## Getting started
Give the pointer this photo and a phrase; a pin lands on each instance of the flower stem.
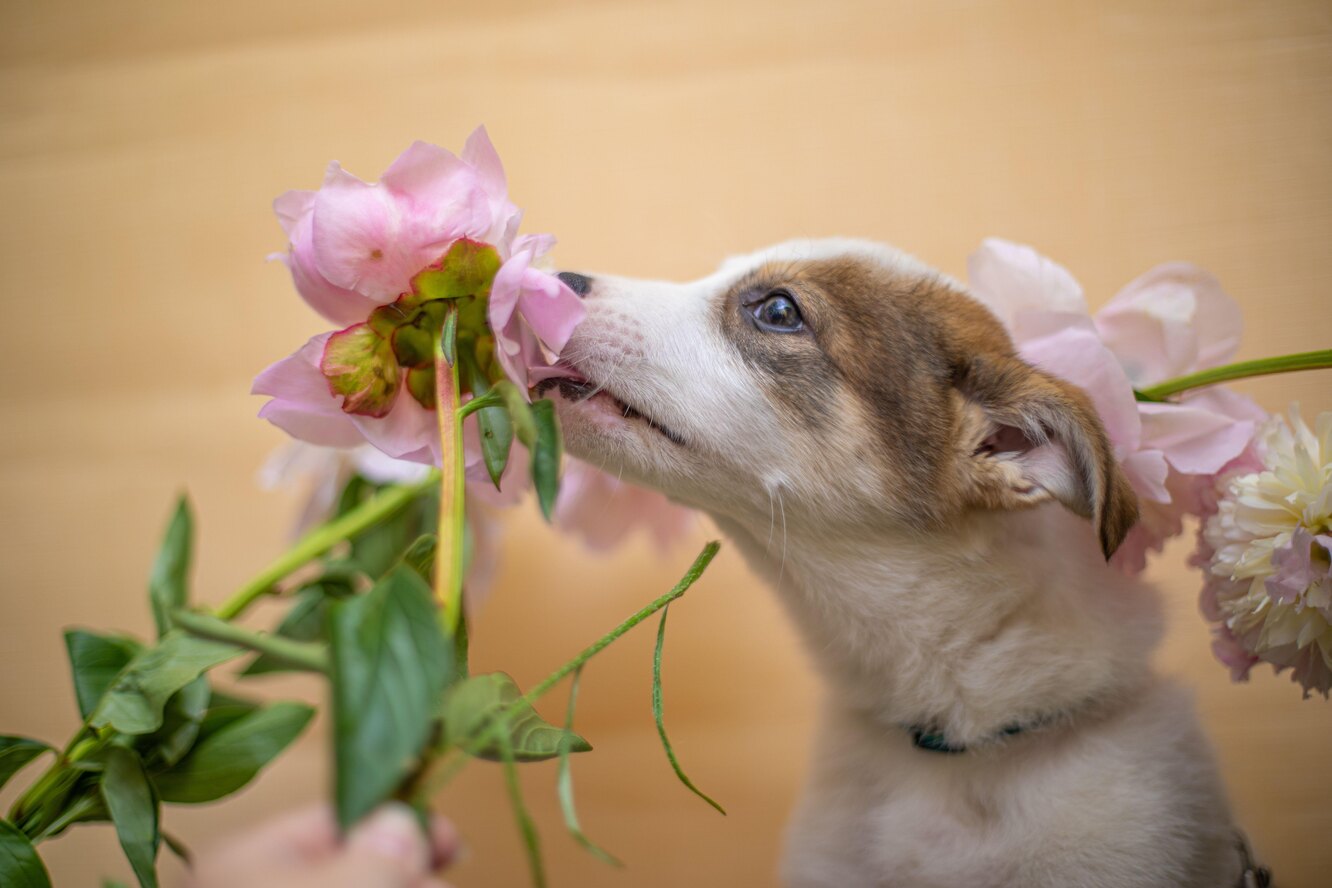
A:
(449, 553)
(695, 571)
(1313, 360)
(321, 539)
(301, 654)
(438, 771)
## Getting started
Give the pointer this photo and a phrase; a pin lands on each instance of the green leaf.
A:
(546, 456)
(304, 621)
(168, 582)
(377, 549)
(420, 556)
(222, 711)
(657, 713)
(134, 701)
(472, 711)
(178, 848)
(95, 661)
(526, 826)
(492, 423)
(390, 662)
(15, 752)
(229, 757)
(564, 781)
(181, 719)
(129, 798)
(20, 867)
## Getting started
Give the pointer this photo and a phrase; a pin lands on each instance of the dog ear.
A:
(1027, 437)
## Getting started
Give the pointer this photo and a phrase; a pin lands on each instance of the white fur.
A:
(1007, 617)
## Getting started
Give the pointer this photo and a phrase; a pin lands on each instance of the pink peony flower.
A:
(1173, 320)
(604, 511)
(381, 260)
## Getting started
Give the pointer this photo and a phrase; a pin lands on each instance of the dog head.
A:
(841, 381)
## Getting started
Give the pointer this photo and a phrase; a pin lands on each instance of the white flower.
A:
(1268, 553)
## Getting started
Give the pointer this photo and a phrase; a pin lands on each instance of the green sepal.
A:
(414, 343)
(168, 582)
(421, 385)
(467, 269)
(360, 365)
(474, 707)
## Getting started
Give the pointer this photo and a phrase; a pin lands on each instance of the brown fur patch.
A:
(903, 346)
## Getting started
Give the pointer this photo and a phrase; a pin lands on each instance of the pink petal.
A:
(408, 431)
(1173, 320)
(1013, 278)
(603, 510)
(1147, 472)
(537, 245)
(359, 238)
(504, 292)
(550, 308)
(1196, 442)
(302, 405)
(480, 153)
(295, 211)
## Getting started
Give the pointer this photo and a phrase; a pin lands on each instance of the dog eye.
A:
(778, 313)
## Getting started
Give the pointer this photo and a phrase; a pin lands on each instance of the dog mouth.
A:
(577, 388)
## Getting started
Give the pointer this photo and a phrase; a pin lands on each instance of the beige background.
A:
(141, 144)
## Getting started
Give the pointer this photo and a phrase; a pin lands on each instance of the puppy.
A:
(936, 516)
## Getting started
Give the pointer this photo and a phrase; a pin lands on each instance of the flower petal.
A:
(1195, 441)
(362, 241)
(1173, 320)
(302, 405)
(603, 510)
(295, 212)
(550, 308)
(408, 431)
(1013, 278)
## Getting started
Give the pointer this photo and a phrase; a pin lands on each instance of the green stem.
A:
(1314, 360)
(301, 654)
(491, 398)
(449, 554)
(695, 571)
(321, 539)
(448, 765)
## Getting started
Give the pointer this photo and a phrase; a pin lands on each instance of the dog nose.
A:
(579, 283)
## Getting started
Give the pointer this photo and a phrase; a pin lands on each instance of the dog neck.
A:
(1006, 618)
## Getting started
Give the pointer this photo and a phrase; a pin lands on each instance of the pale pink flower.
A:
(433, 222)
(604, 511)
(1173, 320)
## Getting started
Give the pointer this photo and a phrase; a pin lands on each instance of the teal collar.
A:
(935, 741)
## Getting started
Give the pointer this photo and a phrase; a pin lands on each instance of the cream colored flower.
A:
(1268, 552)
